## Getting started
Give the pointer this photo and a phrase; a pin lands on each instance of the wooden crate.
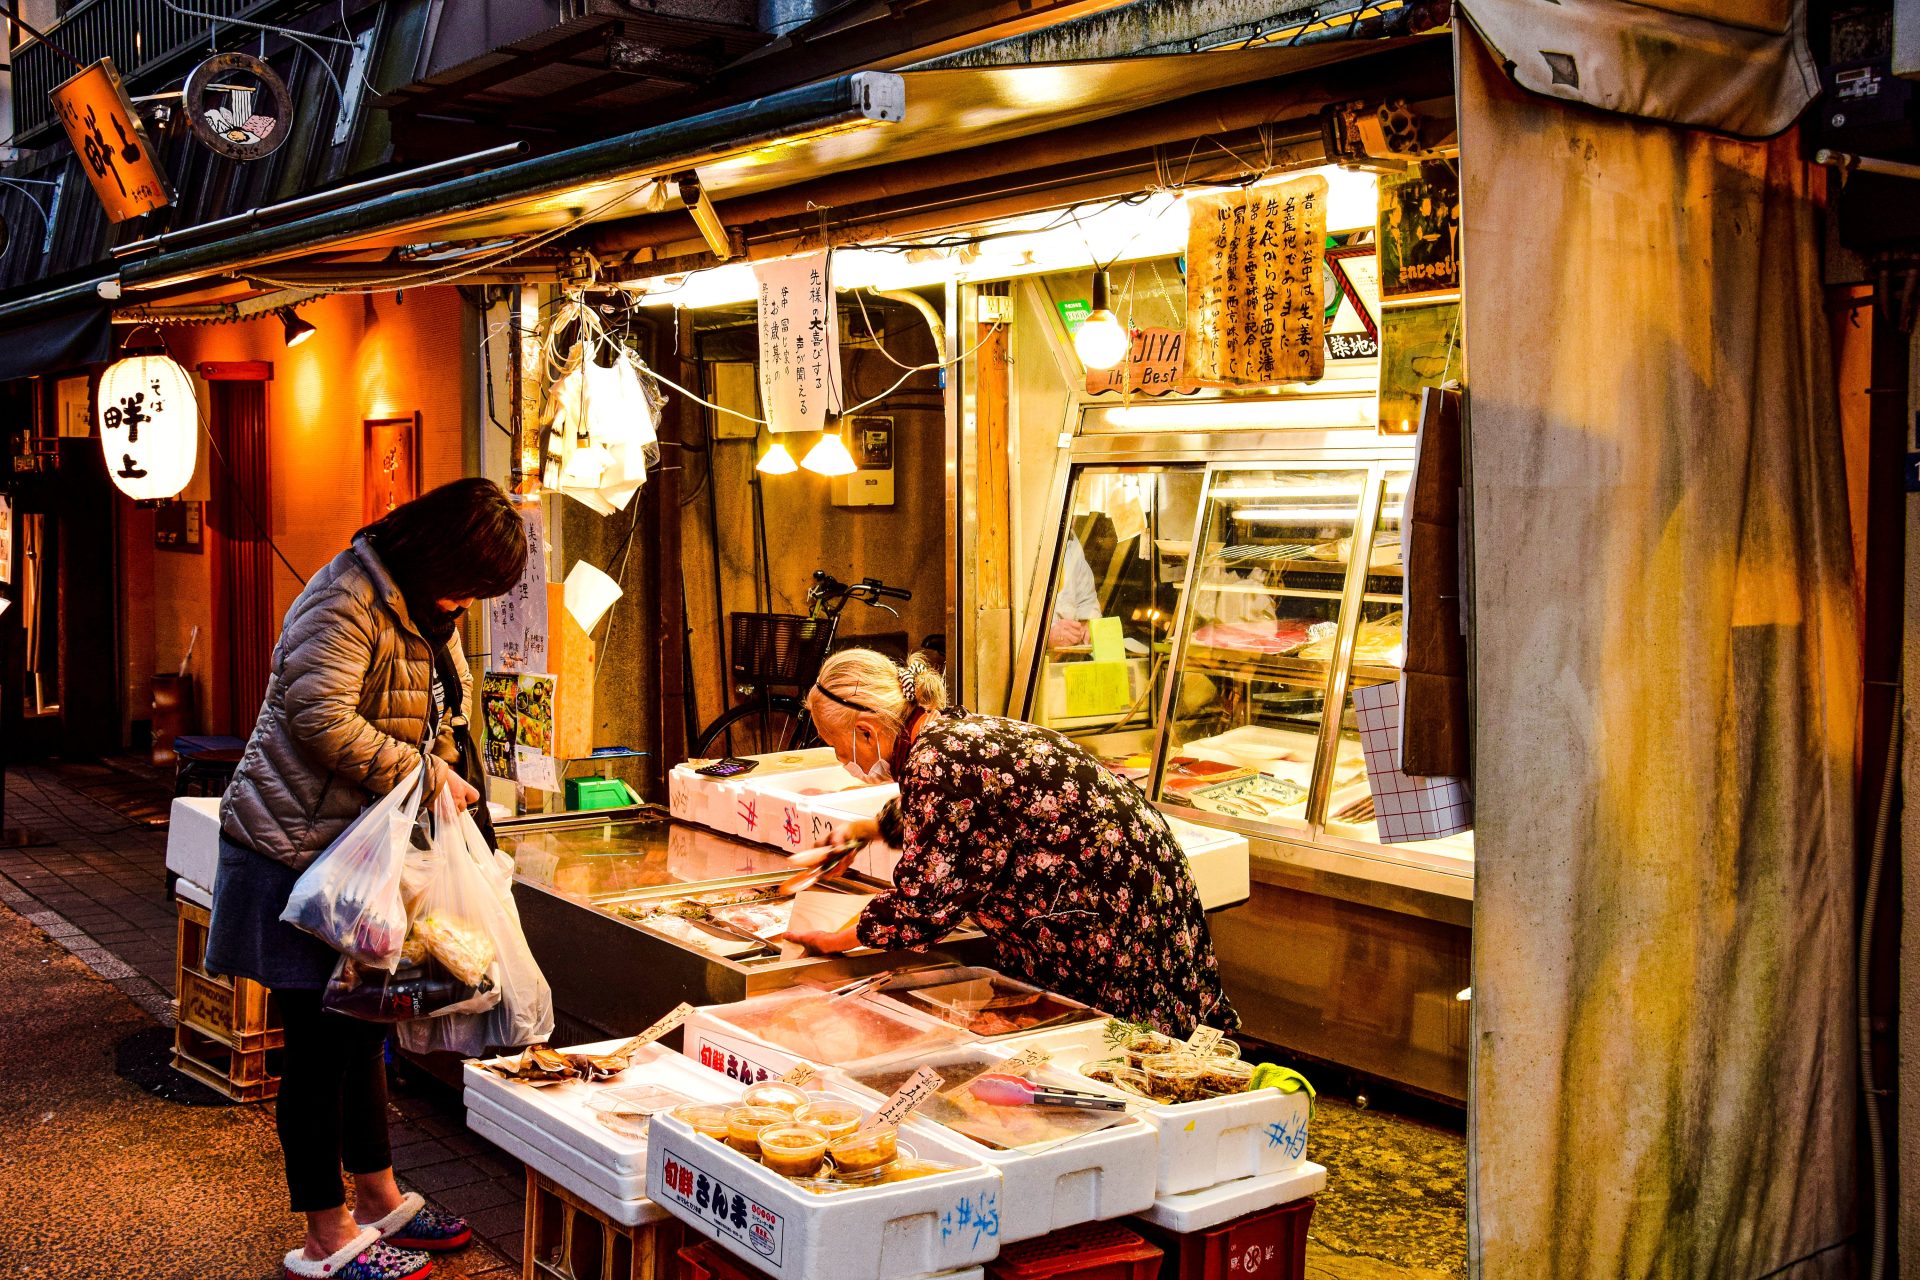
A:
(568, 1239)
(223, 1027)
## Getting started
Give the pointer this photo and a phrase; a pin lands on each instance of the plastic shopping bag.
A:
(350, 897)
(475, 883)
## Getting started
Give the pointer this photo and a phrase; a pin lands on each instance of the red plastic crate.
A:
(708, 1261)
(1267, 1244)
(1092, 1251)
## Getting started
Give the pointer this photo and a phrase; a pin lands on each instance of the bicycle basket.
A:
(778, 648)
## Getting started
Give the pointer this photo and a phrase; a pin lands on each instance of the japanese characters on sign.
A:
(519, 618)
(1420, 233)
(799, 343)
(112, 144)
(727, 1210)
(1256, 286)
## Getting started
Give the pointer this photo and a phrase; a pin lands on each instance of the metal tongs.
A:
(827, 860)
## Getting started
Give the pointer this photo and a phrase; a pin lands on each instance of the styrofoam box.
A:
(575, 1171)
(187, 891)
(716, 1045)
(1219, 861)
(1211, 1206)
(784, 801)
(895, 1231)
(628, 1213)
(823, 814)
(1102, 1175)
(564, 1110)
(1202, 1144)
(193, 839)
(692, 797)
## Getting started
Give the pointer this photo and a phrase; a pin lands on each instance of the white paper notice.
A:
(799, 343)
(519, 618)
(532, 769)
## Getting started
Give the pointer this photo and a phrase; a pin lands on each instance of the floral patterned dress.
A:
(1072, 874)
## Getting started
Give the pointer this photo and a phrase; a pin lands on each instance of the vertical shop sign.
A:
(518, 619)
(6, 539)
(107, 135)
(1255, 285)
(799, 343)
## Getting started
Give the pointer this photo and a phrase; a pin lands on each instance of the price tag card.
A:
(1203, 1040)
(673, 1018)
(801, 1076)
(920, 1086)
(1027, 1061)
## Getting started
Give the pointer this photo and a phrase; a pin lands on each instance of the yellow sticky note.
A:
(1108, 645)
(1096, 688)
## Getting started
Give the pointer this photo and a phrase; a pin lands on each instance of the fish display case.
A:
(629, 912)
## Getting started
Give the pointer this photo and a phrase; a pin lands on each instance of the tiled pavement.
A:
(96, 885)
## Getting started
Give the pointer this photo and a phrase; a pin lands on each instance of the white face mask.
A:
(880, 771)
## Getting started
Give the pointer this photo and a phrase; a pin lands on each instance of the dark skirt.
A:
(246, 937)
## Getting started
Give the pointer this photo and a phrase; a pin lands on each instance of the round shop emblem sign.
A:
(761, 1238)
(238, 106)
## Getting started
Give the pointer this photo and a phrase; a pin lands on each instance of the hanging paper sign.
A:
(519, 618)
(1152, 365)
(799, 343)
(1255, 285)
(238, 106)
(112, 144)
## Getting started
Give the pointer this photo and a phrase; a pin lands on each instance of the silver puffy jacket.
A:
(345, 714)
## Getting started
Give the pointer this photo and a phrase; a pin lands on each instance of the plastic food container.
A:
(709, 1118)
(793, 1150)
(627, 1110)
(864, 1150)
(745, 1123)
(831, 1115)
(1145, 1044)
(1226, 1076)
(1174, 1077)
(777, 1094)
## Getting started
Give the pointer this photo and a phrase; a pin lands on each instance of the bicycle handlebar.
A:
(826, 587)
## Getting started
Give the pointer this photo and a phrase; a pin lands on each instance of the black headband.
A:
(848, 703)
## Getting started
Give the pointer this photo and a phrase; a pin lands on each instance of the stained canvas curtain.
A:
(1666, 681)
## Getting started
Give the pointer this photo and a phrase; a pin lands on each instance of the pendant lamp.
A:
(776, 461)
(1101, 340)
(149, 425)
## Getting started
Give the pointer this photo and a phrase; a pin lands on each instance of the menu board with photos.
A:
(1255, 285)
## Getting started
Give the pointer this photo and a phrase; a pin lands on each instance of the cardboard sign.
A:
(801, 1076)
(1203, 1039)
(111, 142)
(671, 1019)
(920, 1086)
(799, 343)
(1027, 1061)
(1256, 286)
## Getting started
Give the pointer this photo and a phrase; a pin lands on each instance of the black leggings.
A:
(333, 1100)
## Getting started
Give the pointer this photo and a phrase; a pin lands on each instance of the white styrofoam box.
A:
(577, 1171)
(187, 891)
(894, 1231)
(1241, 1135)
(1102, 1175)
(772, 809)
(628, 1213)
(1211, 1206)
(823, 814)
(565, 1110)
(692, 797)
(717, 1045)
(193, 838)
(1219, 861)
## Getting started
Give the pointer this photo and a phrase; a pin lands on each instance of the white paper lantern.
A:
(149, 426)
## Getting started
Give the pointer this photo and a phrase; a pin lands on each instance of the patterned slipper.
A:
(414, 1226)
(362, 1258)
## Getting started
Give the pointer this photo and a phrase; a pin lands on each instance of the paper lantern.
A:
(149, 426)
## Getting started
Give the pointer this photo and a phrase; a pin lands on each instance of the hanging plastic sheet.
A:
(1666, 682)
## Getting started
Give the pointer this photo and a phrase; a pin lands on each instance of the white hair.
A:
(870, 682)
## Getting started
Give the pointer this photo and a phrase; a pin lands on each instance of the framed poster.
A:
(392, 474)
(1419, 348)
(1420, 232)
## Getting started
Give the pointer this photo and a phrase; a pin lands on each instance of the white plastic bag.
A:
(478, 883)
(349, 898)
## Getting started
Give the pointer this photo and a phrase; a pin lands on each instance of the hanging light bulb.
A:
(294, 329)
(776, 461)
(1101, 340)
(830, 456)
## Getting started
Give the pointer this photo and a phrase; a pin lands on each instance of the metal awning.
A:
(856, 124)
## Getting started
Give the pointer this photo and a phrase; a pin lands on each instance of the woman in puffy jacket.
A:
(368, 672)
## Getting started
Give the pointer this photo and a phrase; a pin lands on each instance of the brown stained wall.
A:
(371, 357)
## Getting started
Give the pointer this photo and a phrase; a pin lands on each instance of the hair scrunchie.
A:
(910, 677)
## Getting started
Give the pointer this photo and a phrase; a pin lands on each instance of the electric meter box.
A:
(869, 438)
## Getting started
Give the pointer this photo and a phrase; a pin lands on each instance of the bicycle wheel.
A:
(757, 728)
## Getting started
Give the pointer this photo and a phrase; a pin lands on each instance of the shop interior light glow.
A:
(149, 425)
(1306, 411)
(1101, 339)
(830, 456)
(776, 461)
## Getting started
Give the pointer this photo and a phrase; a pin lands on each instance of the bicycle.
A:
(775, 658)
